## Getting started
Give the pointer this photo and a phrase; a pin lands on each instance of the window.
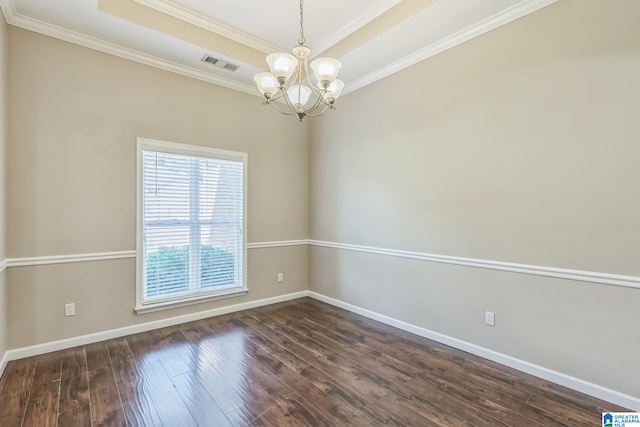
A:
(191, 224)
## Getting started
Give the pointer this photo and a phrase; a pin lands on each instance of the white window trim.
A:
(191, 150)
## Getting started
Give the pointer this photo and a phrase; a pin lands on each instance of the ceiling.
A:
(372, 38)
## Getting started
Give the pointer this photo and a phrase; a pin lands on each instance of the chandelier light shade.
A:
(289, 82)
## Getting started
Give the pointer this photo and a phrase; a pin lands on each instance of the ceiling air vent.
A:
(220, 63)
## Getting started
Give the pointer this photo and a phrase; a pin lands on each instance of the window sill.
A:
(166, 305)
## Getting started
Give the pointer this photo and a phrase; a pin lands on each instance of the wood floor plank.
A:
(78, 416)
(490, 378)
(355, 381)
(157, 391)
(405, 363)
(240, 396)
(377, 362)
(42, 409)
(170, 352)
(140, 347)
(74, 382)
(275, 416)
(566, 410)
(137, 401)
(312, 373)
(484, 393)
(119, 351)
(261, 378)
(297, 363)
(203, 408)
(285, 397)
(430, 355)
(331, 408)
(348, 373)
(106, 408)
(18, 379)
(48, 369)
(97, 356)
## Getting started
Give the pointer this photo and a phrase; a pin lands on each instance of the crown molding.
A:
(177, 11)
(519, 10)
(15, 19)
(182, 13)
(8, 9)
(367, 16)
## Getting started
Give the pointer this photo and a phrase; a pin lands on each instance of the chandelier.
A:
(289, 81)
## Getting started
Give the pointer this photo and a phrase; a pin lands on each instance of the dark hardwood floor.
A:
(296, 363)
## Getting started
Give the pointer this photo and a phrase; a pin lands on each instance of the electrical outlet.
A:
(280, 277)
(489, 318)
(70, 309)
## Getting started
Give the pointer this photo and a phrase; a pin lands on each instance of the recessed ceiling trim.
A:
(8, 9)
(377, 9)
(14, 18)
(180, 12)
(57, 32)
(504, 17)
(377, 26)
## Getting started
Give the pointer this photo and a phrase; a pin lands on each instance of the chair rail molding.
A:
(561, 273)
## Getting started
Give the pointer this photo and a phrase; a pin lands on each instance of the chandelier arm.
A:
(309, 113)
(326, 107)
(295, 81)
(318, 92)
(316, 104)
(319, 100)
(279, 110)
(287, 100)
(313, 87)
(302, 71)
(279, 95)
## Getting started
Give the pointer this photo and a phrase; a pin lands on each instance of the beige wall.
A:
(3, 98)
(104, 293)
(518, 146)
(74, 117)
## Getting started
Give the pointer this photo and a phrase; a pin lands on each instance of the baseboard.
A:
(3, 362)
(48, 347)
(573, 383)
(577, 384)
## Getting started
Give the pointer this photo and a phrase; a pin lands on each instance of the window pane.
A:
(192, 221)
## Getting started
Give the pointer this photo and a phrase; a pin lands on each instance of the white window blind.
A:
(191, 222)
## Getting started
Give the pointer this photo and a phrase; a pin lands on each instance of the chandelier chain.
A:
(301, 40)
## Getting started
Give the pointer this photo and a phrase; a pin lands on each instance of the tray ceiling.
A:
(372, 38)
